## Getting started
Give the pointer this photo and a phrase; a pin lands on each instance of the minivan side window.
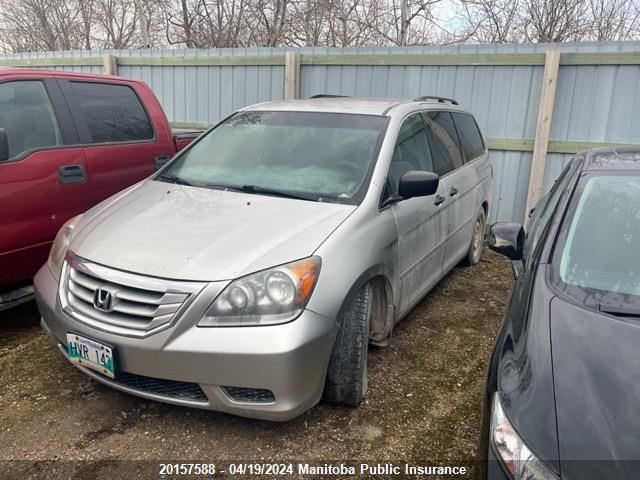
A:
(412, 149)
(469, 134)
(113, 113)
(27, 116)
(443, 139)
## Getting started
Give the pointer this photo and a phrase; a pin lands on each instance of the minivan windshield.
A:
(597, 260)
(301, 154)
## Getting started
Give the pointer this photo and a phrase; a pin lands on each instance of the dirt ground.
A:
(423, 403)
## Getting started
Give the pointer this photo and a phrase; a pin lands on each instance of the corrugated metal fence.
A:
(597, 95)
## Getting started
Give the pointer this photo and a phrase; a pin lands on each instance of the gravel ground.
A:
(423, 403)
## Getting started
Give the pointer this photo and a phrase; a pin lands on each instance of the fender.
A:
(383, 314)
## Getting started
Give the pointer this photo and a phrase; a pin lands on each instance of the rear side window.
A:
(113, 112)
(444, 142)
(27, 116)
(470, 138)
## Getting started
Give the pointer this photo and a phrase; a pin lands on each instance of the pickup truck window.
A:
(113, 113)
(27, 116)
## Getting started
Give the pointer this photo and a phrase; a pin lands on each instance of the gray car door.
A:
(421, 227)
(461, 210)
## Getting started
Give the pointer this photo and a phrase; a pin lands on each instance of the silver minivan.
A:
(250, 274)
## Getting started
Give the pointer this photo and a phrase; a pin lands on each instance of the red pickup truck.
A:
(67, 142)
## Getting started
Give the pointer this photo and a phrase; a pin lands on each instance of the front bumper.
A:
(290, 360)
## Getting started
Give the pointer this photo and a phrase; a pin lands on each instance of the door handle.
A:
(71, 174)
(161, 160)
(453, 192)
(439, 200)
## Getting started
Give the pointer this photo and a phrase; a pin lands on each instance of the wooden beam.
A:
(510, 144)
(555, 146)
(226, 60)
(109, 65)
(543, 128)
(374, 59)
(292, 75)
(600, 58)
(51, 62)
(426, 59)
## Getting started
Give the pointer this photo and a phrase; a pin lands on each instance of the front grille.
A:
(137, 306)
(164, 388)
(253, 395)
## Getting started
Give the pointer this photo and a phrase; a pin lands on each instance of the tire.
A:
(346, 380)
(477, 240)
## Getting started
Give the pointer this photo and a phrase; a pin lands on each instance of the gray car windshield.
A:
(597, 260)
(315, 155)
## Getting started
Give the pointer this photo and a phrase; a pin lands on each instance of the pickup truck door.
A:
(421, 226)
(125, 133)
(44, 181)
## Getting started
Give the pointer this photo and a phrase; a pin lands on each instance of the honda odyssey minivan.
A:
(250, 274)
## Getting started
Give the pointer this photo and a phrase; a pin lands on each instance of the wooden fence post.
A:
(109, 64)
(543, 129)
(291, 75)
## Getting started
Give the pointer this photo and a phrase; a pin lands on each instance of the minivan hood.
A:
(199, 234)
(596, 364)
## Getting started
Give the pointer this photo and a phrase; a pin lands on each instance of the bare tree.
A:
(207, 23)
(491, 21)
(32, 25)
(42, 25)
(118, 20)
(269, 19)
(613, 20)
(553, 20)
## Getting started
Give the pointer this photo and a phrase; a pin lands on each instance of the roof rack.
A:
(439, 99)
(328, 95)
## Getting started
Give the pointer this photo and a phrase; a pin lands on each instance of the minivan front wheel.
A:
(477, 240)
(346, 381)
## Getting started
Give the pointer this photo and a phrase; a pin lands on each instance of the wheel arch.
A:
(383, 310)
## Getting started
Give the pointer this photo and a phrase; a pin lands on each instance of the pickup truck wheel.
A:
(346, 381)
(477, 240)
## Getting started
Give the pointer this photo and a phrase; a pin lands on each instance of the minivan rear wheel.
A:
(477, 240)
(346, 381)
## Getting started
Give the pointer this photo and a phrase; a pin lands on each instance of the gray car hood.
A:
(192, 233)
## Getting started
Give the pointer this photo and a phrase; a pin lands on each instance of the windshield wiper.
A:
(277, 193)
(262, 191)
(620, 311)
(174, 179)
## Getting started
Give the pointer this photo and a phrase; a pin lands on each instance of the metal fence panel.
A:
(595, 103)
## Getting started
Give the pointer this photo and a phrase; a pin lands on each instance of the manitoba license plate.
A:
(91, 354)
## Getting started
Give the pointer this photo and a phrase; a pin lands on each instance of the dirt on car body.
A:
(423, 403)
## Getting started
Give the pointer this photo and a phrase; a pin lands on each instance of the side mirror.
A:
(507, 239)
(418, 183)
(4, 145)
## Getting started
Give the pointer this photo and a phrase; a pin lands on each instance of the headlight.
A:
(277, 295)
(516, 457)
(60, 246)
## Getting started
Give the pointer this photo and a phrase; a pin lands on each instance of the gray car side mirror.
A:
(417, 183)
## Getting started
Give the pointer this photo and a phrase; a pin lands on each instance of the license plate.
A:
(91, 354)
